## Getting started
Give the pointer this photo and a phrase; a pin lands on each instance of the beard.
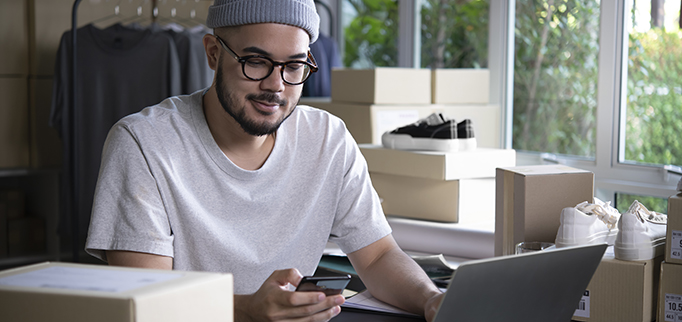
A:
(250, 126)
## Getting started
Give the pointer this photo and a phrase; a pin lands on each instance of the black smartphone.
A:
(329, 285)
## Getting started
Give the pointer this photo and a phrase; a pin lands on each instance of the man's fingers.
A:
(324, 304)
(286, 276)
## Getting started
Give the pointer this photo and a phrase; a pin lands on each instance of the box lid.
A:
(478, 163)
(108, 293)
(543, 169)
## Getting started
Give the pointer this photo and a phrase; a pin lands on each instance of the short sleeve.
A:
(359, 220)
(128, 212)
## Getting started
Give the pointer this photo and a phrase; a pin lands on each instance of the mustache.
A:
(269, 98)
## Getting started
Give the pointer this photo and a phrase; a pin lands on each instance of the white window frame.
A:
(611, 175)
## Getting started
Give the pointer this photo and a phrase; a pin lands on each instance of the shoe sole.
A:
(406, 142)
(640, 252)
(608, 237)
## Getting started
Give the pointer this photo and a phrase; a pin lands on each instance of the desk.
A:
(350, 315)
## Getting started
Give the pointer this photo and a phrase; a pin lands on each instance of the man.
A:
(239, 179)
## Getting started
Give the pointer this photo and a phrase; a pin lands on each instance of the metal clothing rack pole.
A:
(72, 205)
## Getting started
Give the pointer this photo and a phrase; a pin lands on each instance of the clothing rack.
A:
(71, 161)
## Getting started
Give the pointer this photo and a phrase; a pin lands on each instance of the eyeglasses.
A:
(258, 67)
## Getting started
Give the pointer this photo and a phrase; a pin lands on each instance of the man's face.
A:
(259, 106)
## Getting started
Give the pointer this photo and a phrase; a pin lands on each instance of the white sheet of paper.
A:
(87, 279)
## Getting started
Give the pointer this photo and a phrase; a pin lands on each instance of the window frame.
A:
(611, 174)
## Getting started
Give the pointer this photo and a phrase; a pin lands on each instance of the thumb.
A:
(286, 276)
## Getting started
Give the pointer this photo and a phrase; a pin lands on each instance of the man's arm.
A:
(393, 277)
(137, 259)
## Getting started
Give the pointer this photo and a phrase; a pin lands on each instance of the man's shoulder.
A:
(316, 116)
(171, 109)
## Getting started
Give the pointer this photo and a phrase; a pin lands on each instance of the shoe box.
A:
(367, 122)
(80, 292)
(670, 293)
(623, 291)
(673, 247)
(435, 186)
(529, 200)
(381, 85)
(460, 86)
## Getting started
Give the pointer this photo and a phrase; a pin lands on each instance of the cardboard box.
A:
(13, 38)
(367, 122)
(623, 291)
(436, 200)
(25, 236)
(13, 201)
(670, 293)
(529, 201)
(478, 163)
(382, 85)
(76, 292)
(673, 246)
(14, 132)
(460, 86)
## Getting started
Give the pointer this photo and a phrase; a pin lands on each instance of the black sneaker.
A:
(465, 135)
(433, 133)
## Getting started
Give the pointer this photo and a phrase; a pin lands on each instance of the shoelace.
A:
(646, 215)
(610, 218)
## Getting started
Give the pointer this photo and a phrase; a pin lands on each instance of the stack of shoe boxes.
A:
(627, 283)
(435, 186)
(371, 101)
(670, 290)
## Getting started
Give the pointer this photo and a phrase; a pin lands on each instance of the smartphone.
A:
(329, 285)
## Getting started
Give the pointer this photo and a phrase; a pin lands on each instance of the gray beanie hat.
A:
(299, 13)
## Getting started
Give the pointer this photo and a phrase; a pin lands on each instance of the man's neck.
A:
(246, 151)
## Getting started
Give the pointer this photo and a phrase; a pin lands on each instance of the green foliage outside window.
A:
(555, 76)
(454, 34)
(372, 36)
(654, 98)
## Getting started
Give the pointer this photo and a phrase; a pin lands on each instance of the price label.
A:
(676, 244)
(583, 309)
(673, 307)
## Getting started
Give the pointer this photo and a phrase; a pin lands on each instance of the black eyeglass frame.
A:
(242, 60)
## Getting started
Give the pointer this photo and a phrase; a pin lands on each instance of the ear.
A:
(212, 48)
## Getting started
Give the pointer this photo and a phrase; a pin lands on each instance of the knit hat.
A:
(298, 13)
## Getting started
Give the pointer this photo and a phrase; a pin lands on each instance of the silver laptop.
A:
(540, 286)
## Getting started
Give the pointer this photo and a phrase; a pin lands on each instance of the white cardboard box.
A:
(460, 86)
(435, 200)
(382, 85)
(76, 292)
(478, 163)
(367, 122)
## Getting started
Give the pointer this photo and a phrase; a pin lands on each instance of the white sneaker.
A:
(641, 234)
(587, 223)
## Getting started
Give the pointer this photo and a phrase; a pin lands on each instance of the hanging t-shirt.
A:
(119, 72)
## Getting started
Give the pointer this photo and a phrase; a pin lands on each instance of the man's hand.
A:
(431, 306)
(275, 302)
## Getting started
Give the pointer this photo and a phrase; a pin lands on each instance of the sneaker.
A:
(465, 135)
(641, 234)
(588, 223)
(433, 133)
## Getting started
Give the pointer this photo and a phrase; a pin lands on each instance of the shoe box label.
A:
(673, 307)
(583, 309)
(676, 245)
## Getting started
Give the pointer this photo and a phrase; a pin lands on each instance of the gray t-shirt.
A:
(166, 188)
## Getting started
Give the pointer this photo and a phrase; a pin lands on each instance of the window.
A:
(370, 33)
(555, 77)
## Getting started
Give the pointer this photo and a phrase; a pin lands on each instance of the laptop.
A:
(542, 286)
